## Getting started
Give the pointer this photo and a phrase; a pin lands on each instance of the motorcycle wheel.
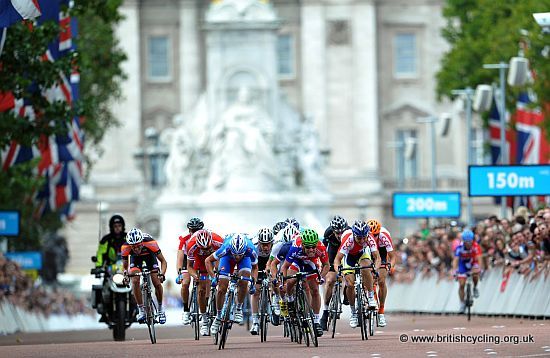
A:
(119, 329)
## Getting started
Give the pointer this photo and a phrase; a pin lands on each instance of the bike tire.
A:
(264, 313)
(311, 325)
(119, 329)
(334, 308)
(212, 312)
(373, 318)
(468, 300)
(360, 315)
(225, 322)
(195, 311)
(151, 321)
(301, 320)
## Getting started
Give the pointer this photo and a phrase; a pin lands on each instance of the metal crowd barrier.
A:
(523, 296)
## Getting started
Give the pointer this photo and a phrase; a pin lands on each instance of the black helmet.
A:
(338, 223)
(116, 219)
(195, 224)
(278, 227)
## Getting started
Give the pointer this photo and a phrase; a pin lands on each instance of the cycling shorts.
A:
(354, 260)
(227, 265)
(465, 267)
(137, 262)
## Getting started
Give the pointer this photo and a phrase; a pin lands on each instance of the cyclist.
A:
(332, 242)
(239, 251)
(356, 249)
(263, 250)
(194, 225)
(303, 256)
(467, 260)
(201, 245)
(278, 227)
(384, 243)
(141, 249)
(293, 222)
(282, 244)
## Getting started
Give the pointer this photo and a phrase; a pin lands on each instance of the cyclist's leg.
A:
(185, 282)
(329, 286)
(225, 269)
(134, 267)
(244, 267)
(152, 265)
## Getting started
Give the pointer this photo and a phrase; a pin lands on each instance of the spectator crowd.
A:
(19, 289)
(521, 244)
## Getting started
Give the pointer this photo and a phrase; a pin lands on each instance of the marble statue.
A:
(241, 147)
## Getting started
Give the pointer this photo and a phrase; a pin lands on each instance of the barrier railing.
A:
(522, 295)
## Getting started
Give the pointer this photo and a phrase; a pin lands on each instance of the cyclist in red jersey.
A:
(384, 243)
(355, 250)
(141, 249)
(201, 245)
(194, 225)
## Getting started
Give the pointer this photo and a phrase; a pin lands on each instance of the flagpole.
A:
(502, 66)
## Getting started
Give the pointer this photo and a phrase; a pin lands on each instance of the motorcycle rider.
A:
(108, 251)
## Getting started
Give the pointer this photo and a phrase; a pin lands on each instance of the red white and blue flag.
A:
(13, 11)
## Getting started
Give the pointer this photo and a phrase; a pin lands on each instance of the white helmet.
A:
(265, 235)
(134, 236)
(204, 238)
(289, 232)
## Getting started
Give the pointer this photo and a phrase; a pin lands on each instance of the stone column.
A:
(365, 89)
(314, 92)
(189, 55)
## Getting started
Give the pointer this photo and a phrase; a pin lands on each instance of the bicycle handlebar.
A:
(301, 275)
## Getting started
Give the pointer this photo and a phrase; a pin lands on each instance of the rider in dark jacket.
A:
(110, 244)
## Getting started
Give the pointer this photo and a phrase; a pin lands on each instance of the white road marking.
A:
(488, 349)
(375, 354)
(431, 352)
(545, 347)
(491, 352)
(458, 328)
(432, 355)
(418, 330)
(498, 326)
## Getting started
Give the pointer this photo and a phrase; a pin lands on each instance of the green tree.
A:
(489, 31)
(23, 73)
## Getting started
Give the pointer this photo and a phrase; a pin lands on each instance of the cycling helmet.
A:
(195, 224)
(116, 219)
(289, 232)
(360, 228)
(135, 236)
(309, 237)
(278, 227)
(203, 238)
(293, 222)
(374, 226)
(238, 245)
(265, 235)
(338, 223)
(467, 235)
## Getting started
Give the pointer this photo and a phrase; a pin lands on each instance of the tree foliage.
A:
(22, 72)
(488, 31)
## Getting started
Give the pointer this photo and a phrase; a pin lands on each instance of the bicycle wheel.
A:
(302, 316)
(468, 299)
(151, 313)
(360, 308)
(195, 312)
(264, 313)
(373, 318)
(226, 321)
(334, 309)
(212, 312)
(310, 317)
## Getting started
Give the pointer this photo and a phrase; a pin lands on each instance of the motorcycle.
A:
(113, 299)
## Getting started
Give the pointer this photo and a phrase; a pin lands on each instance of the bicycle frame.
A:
(151, 313)
(229, 307)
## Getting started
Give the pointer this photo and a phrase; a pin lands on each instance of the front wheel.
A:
(468, 300)
(119, 329)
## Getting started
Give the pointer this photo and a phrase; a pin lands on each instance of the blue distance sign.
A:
(509, 180)
(426, 204)
(28, 260)
(9, 223)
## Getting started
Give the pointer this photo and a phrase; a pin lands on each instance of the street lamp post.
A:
(502, 66)
(399, 146)
(468, 92)
(431, 120)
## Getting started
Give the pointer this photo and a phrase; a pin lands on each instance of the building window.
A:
(407, 161)
(158, 58)
(285, 55)
(405, 55)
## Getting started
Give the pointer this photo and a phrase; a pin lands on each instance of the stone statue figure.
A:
(310, 162)
(241, 144)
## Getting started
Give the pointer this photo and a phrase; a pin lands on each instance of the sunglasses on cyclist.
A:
(310, 247)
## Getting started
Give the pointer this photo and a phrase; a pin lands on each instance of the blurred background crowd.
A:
(521, 244)
(20, 289)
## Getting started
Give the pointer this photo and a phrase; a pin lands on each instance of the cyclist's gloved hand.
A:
(179, 278)
(162, 278)
(321, 280)
(214, 281)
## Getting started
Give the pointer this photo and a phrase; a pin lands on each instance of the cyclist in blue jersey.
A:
(237, 250)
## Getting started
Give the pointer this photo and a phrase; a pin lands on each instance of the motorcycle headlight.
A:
(118, 279)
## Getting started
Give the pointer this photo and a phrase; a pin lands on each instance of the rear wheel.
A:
(361, 321)
(372, 322)
(264, 313)
(334, 309)
(195, 313)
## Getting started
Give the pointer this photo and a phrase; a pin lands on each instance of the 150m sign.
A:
(426, 204)
(509, 180)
